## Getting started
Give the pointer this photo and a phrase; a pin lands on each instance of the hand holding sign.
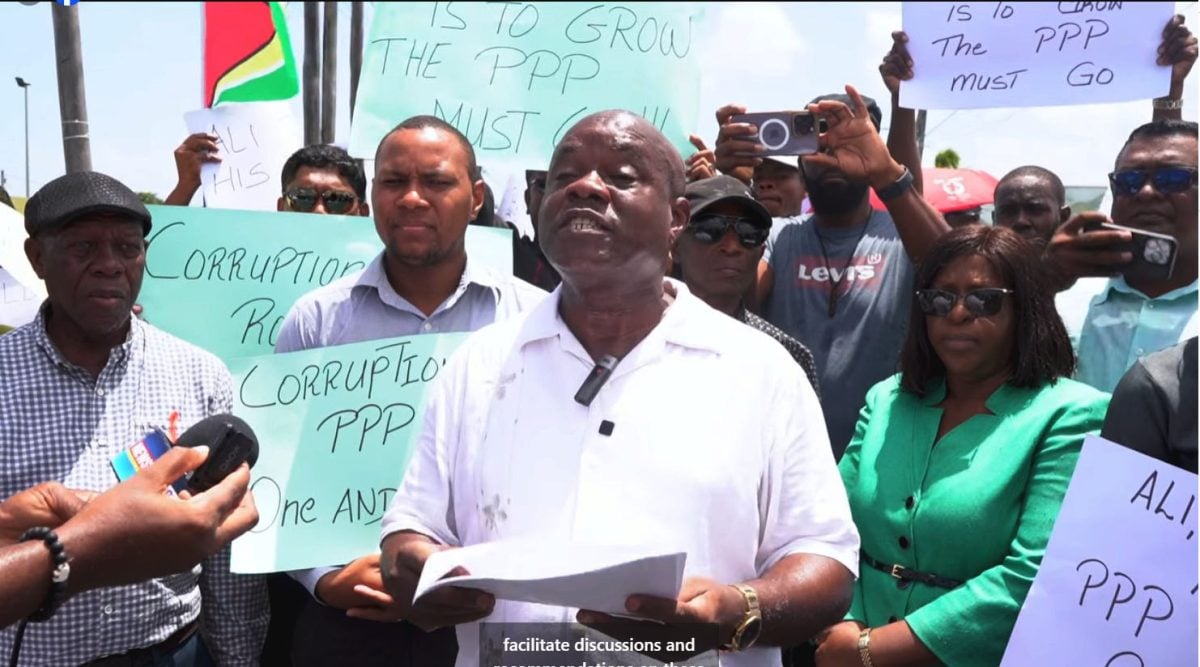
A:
(897, 65)
(198, 149)
(1179, 50)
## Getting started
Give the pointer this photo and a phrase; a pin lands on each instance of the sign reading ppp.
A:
(969, 55)
(513, 76)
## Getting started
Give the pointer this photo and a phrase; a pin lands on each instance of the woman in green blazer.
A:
(959, 464)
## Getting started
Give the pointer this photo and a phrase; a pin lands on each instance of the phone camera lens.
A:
(802, 123)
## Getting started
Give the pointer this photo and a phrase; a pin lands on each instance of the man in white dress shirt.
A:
(706, 437)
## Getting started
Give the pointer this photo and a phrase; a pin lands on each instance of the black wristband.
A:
(58, 576)
(896, 188)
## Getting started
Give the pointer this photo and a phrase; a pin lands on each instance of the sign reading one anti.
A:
(224, 279)
(1117, 586)
(336, 427)
(969, 55)
(513, 76)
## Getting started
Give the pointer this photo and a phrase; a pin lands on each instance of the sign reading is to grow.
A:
(513, 76)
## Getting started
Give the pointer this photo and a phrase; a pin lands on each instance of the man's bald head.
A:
(614, 199)
(629, 131)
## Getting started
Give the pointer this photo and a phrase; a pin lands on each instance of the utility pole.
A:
(72, 101)
(329, 73)
(25, 87)
(921, 116)
(312, 74)
(356, 50)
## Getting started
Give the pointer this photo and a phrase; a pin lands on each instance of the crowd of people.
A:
(858, 422)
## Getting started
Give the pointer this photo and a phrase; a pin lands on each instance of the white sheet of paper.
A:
(254, 140)
(970, 55)
(1117, 585)
(18, 304)
(580, 576)
(12, 251)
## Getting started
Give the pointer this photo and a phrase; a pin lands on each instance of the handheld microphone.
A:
(595, 380)
(230, 441)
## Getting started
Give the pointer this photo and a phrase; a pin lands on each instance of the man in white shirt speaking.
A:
(705, 436)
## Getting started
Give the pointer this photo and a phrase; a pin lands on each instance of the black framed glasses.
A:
(709, 228)
(982, 302)
(1167, 180)
(305, 200)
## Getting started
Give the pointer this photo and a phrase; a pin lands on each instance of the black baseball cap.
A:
(872, 107)
(67, 198)
(709, 191)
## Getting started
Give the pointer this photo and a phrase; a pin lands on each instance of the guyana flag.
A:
(247, 54)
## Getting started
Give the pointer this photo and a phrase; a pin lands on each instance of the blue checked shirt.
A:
(58, 423)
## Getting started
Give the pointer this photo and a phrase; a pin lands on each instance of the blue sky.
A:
(142, 70)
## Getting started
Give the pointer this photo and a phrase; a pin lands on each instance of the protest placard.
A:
(513, 76)
(18, 303)
(336, 427)
(1117, 585)
(224, 279)
(12, 251)
(969, 55)
(254, 139)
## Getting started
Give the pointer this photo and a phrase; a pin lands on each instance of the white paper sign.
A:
(12, 251)
(970, 55)
(254, 141)
(579, 576)
(1117, 586)
(18, 303)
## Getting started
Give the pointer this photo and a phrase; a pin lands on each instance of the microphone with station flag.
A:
(230, 442)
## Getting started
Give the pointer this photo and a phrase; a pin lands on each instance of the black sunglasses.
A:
(305, 200)
(1167, 180)
(982, 302)
(709, 229)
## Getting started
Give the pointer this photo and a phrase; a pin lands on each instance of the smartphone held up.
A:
(784, 132)
(1153, 253)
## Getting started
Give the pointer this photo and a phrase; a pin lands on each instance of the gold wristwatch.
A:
(750, 627)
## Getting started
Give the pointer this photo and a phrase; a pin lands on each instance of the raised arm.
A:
(897, 66)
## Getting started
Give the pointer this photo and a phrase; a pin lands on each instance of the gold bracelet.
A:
(864, 647)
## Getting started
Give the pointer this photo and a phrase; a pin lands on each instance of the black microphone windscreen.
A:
(211, 430)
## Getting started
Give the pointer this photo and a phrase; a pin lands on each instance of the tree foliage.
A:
(947, 159)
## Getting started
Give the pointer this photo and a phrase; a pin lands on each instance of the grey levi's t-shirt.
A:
(860, 344)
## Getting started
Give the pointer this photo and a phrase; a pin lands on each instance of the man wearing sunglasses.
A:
(1113, 322)
(718, 255)
(426, 190)
(323, 179)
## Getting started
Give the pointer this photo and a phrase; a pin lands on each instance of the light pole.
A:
(25, 86)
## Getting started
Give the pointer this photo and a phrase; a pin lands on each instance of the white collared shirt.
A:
(718, 448)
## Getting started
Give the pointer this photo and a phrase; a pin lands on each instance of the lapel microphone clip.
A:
(595, 380)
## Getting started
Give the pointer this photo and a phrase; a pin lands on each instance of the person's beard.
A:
(836, 198)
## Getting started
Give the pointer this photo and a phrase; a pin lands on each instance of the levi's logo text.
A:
(812, 272)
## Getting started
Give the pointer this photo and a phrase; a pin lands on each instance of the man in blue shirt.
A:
(1114, 322)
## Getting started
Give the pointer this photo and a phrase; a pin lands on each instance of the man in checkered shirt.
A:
(84, 381)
